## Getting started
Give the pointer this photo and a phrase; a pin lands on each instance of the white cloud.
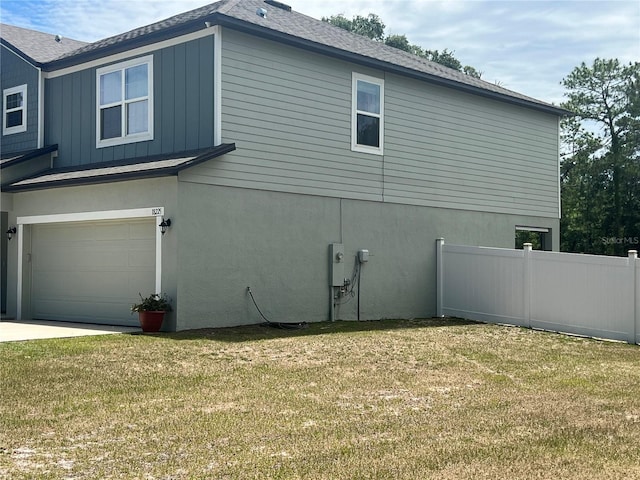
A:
(528, 46)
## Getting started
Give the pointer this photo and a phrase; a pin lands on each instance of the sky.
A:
(524, 45)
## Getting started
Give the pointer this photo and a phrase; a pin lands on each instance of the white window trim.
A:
(132, 138)
(18, 128)
(355, 77)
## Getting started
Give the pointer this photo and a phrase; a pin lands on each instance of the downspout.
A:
(217, 85)
(40, 108)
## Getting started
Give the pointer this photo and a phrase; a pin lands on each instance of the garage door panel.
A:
(70, 285)
(89, 257)
(92, 271)
(88, 312)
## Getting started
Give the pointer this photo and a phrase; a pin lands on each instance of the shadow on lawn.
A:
(268, 331)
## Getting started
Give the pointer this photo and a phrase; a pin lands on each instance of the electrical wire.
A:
(350, 291)
(283, 325)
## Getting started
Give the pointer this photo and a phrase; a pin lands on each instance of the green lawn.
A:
(418, 399)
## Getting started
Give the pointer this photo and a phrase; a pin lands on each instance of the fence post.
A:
(439, 278)
(527, 284)
(633, 256)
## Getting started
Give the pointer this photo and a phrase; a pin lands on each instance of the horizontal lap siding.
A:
(448, 149)
(289, 114)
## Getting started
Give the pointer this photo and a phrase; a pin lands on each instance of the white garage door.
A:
(92, 271)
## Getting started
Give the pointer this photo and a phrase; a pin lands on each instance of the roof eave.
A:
(119, 177)
(218, 18)
(352, 57)
(123, 46)
(30, 155)
(16, 51)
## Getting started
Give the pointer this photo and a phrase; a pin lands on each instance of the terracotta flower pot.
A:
(151, 321)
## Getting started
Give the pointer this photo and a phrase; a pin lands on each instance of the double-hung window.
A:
(14, 101)
(367, 114)
(125, 102)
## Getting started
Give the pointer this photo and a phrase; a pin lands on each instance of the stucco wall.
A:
(277, 243)
(111, 196)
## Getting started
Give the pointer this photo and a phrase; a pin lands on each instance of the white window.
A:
(125, 102)
(14, 102)
(367, 114)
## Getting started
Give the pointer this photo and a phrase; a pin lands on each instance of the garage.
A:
(92, 271)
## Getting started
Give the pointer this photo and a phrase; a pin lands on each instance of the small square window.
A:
(14, 106)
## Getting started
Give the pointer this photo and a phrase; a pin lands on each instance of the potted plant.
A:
(151, 311)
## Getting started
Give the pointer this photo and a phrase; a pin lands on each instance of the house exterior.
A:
(310, 164)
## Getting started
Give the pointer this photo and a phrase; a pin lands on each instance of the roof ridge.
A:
(229, 4)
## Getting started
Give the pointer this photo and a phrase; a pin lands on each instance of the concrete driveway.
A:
(12, 330)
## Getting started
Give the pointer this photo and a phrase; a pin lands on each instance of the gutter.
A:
(209, 154)
(352, 57)
(221, 19)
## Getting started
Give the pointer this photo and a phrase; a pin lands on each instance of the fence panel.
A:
(484, 284)
(583, 294)
(637, 295)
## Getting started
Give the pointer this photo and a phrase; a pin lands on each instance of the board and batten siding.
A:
(289, 113)
(14, 71)
(183, 108)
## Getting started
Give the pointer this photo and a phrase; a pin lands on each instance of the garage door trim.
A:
(84, 217)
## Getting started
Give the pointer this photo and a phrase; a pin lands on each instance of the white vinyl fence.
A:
(590, 295)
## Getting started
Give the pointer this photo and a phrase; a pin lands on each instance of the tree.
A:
(601, 161)
(445, 58)
(372, 27)
(399, 41)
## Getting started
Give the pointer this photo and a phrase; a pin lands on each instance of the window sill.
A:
(114, 142)
(366, 149)
(13, 130)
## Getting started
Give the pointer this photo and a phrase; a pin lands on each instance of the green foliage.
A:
(445, 58)
(399, 41)
(156, 302)
(472, 72)
(600, 172)
(372, 27)
(339, 21)
(534, 238)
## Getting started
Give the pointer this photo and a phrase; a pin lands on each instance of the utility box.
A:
(363, 255)
(336, 257)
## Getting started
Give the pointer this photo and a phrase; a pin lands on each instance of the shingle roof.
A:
(7, 160)
(140, 33)
(322, 33)
(116, 171)
(39, 47)
(303, 31)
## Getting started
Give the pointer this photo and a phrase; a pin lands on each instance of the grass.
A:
(423, 399)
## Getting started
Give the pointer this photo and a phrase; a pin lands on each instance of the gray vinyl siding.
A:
(289, 113)
(14, 72)
(448, 149)
(183, 108)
